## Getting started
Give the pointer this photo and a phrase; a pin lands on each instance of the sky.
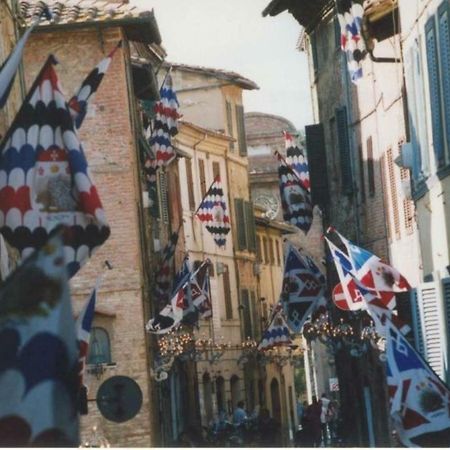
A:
(233, 35)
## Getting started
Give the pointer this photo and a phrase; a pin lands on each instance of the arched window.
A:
(99, 347)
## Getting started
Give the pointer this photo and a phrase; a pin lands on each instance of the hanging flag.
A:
(346, 294)
(171, 314)
(44, 177)
(277, 333)
(83, 329)
(213, 212)
(9, 67)
(301, 290)
(372, 272)
(166, 124)
(200, 290)
(38, 353)
(295, 199)
(420, 401)
(79, 102)
(350, 15)
(296, 159)
(150, 172)
(163, 276)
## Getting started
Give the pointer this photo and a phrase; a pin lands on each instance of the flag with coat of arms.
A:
(213, 212)
(302, 290)
(44, 177)
(420, 401)
(38, 353)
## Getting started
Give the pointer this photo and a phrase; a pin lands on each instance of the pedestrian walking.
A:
(314, 427)
(268, 430)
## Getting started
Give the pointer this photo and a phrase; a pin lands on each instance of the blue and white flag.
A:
(297, 160)
(420, 401)
(38, 353)
(302, 290)
(277, 333)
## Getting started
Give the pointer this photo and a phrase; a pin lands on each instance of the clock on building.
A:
(270, 203)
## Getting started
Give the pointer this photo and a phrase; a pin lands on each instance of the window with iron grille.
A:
(393, 190)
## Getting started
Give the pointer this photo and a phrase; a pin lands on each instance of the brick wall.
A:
(109, 145)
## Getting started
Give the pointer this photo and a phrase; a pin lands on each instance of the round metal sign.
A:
(119, 398)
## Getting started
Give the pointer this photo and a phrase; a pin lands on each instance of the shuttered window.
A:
(393, 190)
(201, 171)
(362, 178)
(190, 183)
(246, 313)
(271, 250)
(435, 91)
(344, 150)
(408, 205)
(227, 293)
(266, 251)
(216, 169)
(446, 298)
(163, 200)
(241, 130)
(230, 123)
(444, 60)
(370, 167)
(256, 329)
(240, 223)
(317, 161)
(384, 181)
(277, 247)
(250, 226)
(416, 322)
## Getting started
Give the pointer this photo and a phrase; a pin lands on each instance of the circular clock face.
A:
(270, 203)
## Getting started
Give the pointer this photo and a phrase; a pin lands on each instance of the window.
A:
(393, 189)
(230, 123)
(201, 170)
(256, 323)
(370, 167)
(245, 225)
(266, 250)
(190, 183)
(216, 169)
(99, 347)
(227, 293)
(271, 252)
(277, 248)
(246, 313)
(344, 150)
(259, 249)
(241, 130)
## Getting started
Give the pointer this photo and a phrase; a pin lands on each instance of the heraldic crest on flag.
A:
(295, 198)
(350, 16)
(302, 290)
(44, 177)
(420, 401)
(38, 371)
(213, 213)
(277, 333)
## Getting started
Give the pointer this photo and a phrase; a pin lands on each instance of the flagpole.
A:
(169, 70)
(206, 194)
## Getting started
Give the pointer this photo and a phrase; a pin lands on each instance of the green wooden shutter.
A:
(239, 211)
(251, 227)
(230, 123)
(241, 130)
(435, 91)
(344, 150)
(315, 146)
(444, 58)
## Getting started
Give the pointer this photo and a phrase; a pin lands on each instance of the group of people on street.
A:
(318, 422)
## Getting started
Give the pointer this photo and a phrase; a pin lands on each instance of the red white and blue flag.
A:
(39, 356)
(44, 177)
(302, 290)
(277, 333)
(83, 329)
(296, 159)
(350, 15)
(78, 104)
(200, 290)
(420, 401)
(213, 213)
(165, 125)
(295, 198)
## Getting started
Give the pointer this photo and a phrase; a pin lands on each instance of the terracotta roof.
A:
(210, 131)
(85, 12)
(232, 77)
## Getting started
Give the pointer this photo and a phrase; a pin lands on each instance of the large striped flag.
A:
(83, 329)
(165, 125)
(296, 159)
(295, 198)
(44, 177)
(277, 333)
(38, 353)
(78, 104)
(350, 16)
(9, 67)
(200, 290)
(213, 213)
